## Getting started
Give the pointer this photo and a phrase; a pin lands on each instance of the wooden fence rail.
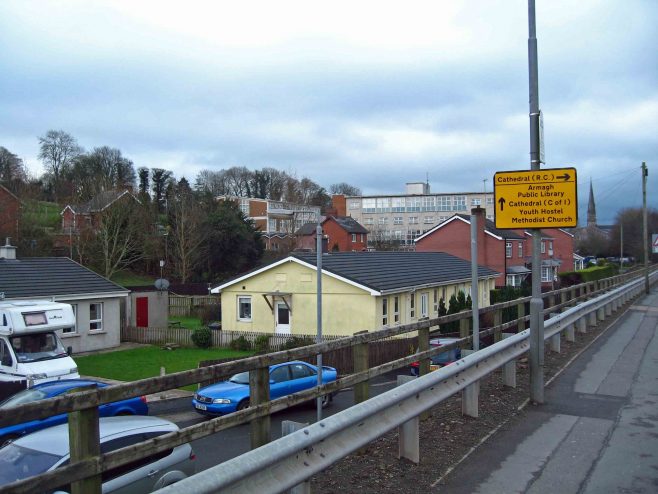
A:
(185, 305)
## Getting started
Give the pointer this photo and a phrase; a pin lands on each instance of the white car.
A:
(48, 449)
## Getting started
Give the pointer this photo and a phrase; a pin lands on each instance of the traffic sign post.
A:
(544, 198)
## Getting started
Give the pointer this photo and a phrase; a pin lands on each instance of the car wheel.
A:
(243, 404)
(4, 440)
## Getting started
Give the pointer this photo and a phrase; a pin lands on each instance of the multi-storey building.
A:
(400, 219)
(277, 220)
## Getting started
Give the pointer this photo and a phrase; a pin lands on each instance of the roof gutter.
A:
(413, 288)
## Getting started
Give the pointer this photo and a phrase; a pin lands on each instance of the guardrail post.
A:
(555, 343)
(470, 395)
(509, 369)
(288, 427)
(409, 433)
(84, 441)
(569, 333)
(582, 325)
(608, 309)
(360, 356)
(259, 392)
(591, 318)
(497, 322)
(600, 314)
(520, 325)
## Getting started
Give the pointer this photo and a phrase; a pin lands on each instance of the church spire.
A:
(591, 207)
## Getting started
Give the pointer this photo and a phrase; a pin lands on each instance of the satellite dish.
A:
(161, 284)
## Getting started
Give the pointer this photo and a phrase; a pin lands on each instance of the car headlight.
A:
(34, 377)
(221, 401)
(74, 370)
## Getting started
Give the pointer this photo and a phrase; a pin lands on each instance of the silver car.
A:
(48, 449)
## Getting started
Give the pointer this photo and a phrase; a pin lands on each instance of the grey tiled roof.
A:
(49, 276)
(349, 224)
(384, 271)
(100, 201)
(490, 226)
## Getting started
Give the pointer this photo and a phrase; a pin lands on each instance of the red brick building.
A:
(10, 207)
(342, 234)
(503, 251)
(557, 254)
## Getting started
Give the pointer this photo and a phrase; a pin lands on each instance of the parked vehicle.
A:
(286, 378)
(48, 449)
(30, 350)
(131, 406)
(442, 359)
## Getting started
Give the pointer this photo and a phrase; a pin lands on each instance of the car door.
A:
(303, 377)
(280, 382)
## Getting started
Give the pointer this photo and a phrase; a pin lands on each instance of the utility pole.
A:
(645, 227)
(318, 338)
(536, 355)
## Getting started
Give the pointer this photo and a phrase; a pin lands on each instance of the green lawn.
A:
(188, 322)
(44, 214)
(143, 362)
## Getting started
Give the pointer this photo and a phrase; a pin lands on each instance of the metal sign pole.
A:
(474, 279)
(536, 356)
(318, 339)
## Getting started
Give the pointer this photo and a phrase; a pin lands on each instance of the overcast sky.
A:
(375, 94)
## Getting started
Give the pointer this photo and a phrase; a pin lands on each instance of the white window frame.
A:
(385, 311)
(396, 309)
(546, 274)
(397, 220)
(354, 237)
(513, 280)
(508, 250)
(550, 247)
(520, 250)
(99, 318)
(74, 329)
(543, 247)
(436, 300)
(424, 304)
(245, 298)
(412, 306)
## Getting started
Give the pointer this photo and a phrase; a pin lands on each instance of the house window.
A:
(428, 219)
(424, 304)
(546, 274)
(385, 311)
(459, 203)
(413, 220)
(490, 200)
(436, 300)
(369, 221)
(476, 202)
(354, 237)
(96, 317)
(412, 306)
(244, 308)
(355, 204)
(513, 280)
(369, 205)
(550, 248)
(396, 309)
(508, 250)
(73, 329)
(543, 248)
(397, 220)
(520, 249)
(383, 220)
(362, 238)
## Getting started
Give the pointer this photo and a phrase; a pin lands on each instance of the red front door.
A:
(142, 308)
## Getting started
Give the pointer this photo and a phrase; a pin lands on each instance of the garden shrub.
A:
(262, 344)
(241, 344)
(202, 337)
(297, 341)
(208, 313)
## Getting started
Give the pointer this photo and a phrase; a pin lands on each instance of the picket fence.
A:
(342, 359)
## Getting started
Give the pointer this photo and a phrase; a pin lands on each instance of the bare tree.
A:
(345, 189)
(186, 233)
(12, 168)
(57, 149)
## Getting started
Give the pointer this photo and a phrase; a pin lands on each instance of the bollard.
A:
(470, 395)
(509, 369)
(409, 433)
(259, 392)
(555, 343)
(288, 427)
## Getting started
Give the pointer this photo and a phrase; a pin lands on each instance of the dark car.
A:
(442, 359)
(285, 379)
(131, 406)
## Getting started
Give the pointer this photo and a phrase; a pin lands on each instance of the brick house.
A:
(342, 234)
(503, 251)
(557, 254)
(10, 207)
(78, 217)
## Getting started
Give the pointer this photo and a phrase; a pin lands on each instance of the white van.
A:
(30, 350)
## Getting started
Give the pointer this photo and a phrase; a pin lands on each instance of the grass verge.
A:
(144, 362)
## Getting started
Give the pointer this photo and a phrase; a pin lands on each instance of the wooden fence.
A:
(184, 305)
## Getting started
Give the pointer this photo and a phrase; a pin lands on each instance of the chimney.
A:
(7, 251)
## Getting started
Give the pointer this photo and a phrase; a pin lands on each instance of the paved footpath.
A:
(597, 431)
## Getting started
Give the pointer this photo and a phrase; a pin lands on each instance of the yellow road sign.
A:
(536, 198)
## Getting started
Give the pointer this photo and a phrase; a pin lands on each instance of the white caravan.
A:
(30, 350)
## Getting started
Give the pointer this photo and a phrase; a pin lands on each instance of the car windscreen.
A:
(445, 357)
(25, 396)
(241, 378)
(18, 463)
(37, 346)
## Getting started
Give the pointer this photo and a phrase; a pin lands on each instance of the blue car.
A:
(285, 379)
(131, 406)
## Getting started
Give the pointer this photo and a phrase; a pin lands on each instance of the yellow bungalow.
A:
(360, 291)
